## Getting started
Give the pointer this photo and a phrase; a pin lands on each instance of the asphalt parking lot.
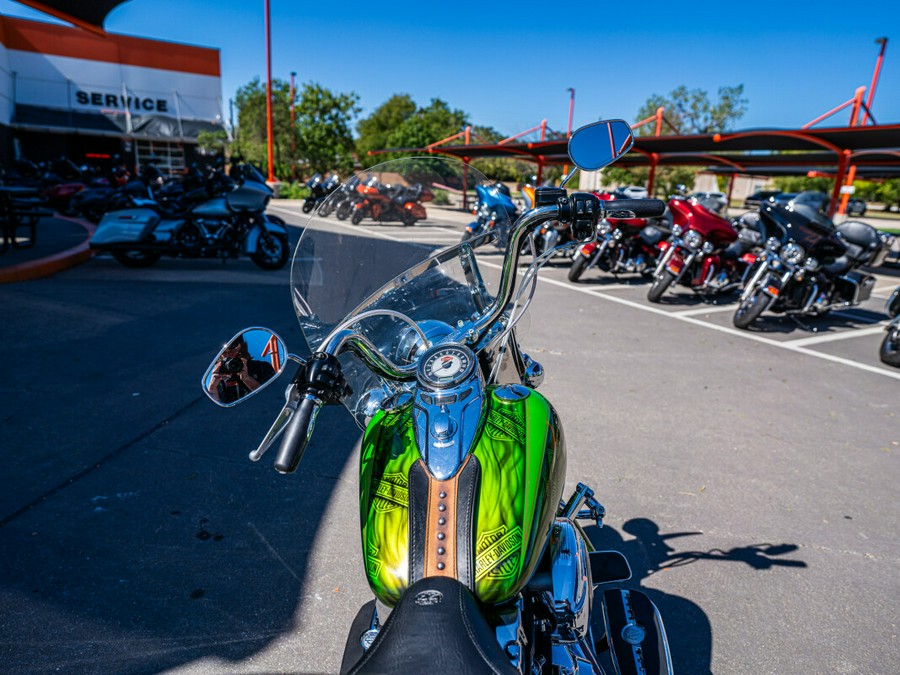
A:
(749, 477)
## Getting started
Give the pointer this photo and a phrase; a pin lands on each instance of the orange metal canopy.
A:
(874, 149)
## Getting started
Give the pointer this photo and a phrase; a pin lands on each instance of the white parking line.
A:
(707, 310)
(842, 335)
(609, 287)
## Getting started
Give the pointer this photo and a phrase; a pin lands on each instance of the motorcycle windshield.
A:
(390, 253)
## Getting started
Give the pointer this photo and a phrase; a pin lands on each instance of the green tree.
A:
(802, 183)
(321, 138)
(689, 111)
(428, 125)
(375, 129)
(323, 127)
(213, 142)
(889, 193)
(250, 142)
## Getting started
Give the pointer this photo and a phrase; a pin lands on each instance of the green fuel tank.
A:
(521, 454)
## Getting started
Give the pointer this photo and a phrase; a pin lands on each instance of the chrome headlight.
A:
(772, 244)
(811, 264)
(677, 230)
(604, 227)
(792, 253)
(708, 247)
(693, 239)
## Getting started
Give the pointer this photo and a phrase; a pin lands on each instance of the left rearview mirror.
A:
(246, 365)
(597, 145)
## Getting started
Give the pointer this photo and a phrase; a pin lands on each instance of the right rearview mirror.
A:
(247, 364)
(597, 145)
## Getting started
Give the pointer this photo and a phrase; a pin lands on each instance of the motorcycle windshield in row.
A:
(389, 239)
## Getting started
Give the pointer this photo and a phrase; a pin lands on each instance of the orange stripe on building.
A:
(54, 40)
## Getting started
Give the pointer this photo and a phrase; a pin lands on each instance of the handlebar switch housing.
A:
(322, 376)
(584, 212)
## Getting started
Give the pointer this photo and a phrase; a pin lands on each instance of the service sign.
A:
(106, 101)
(56, 69)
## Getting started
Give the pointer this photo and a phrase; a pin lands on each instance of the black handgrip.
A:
(297, 434)
(641, 208)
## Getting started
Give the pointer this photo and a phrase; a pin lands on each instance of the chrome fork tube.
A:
(757, 276)
(667, 256)
(598, 254)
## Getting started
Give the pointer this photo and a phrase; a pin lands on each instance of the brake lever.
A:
(292, 400)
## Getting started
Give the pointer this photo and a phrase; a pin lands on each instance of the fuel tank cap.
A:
(511, 392)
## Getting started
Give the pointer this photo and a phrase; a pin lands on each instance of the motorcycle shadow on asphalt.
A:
(846, 319)
(648, 552)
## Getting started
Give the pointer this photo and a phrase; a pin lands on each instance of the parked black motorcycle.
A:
(890, 346)
(342, 200)
(319, 190)
(809, 266)
(222, 227)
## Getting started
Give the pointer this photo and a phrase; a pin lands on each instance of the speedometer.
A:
(446, 366)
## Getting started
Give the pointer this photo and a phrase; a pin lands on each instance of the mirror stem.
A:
(568, 176)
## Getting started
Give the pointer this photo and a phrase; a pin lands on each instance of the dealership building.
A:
(87, 94)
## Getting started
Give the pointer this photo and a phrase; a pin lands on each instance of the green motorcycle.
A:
(476, 561)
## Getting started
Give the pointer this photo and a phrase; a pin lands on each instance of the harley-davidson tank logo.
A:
(391, 492)
(373, 564)
(426, 598)
(504, 426)
(498, 553)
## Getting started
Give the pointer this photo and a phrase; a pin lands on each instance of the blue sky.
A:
(508, 65)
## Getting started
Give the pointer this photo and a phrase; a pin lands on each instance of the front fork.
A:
(676, 266)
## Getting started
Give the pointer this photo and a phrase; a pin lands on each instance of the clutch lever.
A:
(292, 400)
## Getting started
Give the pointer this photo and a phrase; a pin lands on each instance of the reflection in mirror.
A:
(247, 364)
(599, 144)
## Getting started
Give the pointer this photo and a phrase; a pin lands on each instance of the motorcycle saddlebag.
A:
(855, 287)
(128, 226)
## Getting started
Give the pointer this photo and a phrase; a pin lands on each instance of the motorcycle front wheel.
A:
(136, 258)
(308, 205)
(890, 347)
(750, 309)
(660, 285)
(579, 265)
(272, 251)
(344, 210)
(357, 217)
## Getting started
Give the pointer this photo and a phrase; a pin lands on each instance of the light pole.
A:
(293, 132)
(883, 43)
(571, 108)
(269, 144)
(569, 131)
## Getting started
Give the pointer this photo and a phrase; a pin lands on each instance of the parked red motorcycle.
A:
(706, 253)
(384, 203)
(622, 245)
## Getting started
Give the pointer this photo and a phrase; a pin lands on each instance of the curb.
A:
(44, 267)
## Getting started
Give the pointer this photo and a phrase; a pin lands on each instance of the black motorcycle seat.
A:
(436, 627)
(839, 266)
(859, 234)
